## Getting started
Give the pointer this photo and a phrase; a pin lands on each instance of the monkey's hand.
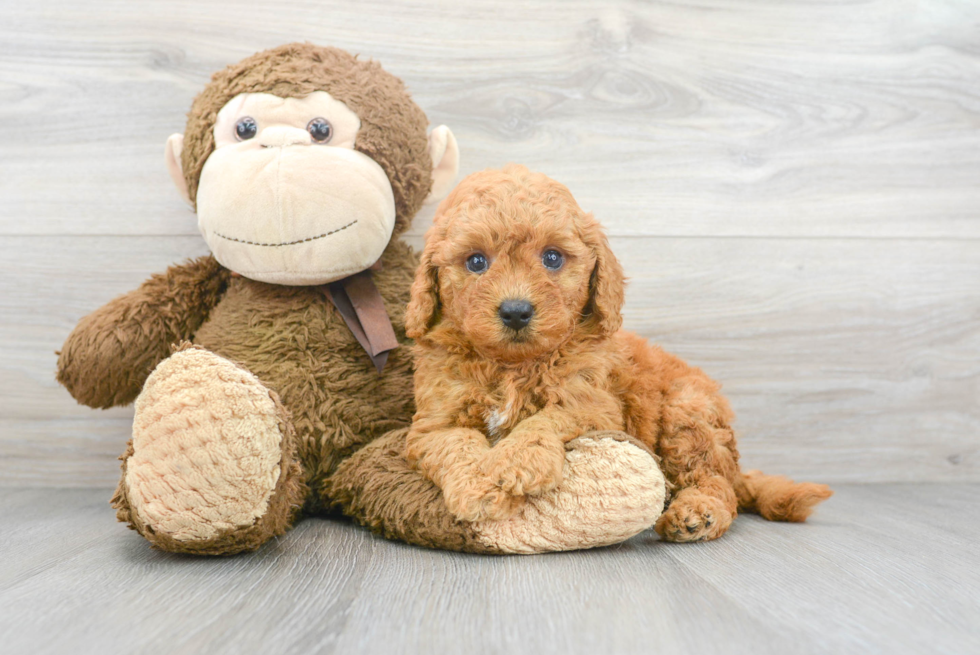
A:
(110, 353)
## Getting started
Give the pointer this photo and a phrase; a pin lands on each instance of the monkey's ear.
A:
(444, 152)
(171, 154)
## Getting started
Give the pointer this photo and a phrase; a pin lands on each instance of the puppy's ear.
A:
(424, 302)
(606, 286)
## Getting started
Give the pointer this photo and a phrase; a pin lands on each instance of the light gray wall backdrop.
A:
(793, 188)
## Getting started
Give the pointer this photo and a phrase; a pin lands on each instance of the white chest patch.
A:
(496, 419)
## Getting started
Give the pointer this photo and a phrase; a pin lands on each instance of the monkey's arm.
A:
(110, 353)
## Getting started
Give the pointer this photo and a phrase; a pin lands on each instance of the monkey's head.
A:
(302, 163)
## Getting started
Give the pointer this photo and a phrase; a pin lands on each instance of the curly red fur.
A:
(495, 404)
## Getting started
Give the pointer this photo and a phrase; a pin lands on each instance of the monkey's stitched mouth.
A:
(287, 243)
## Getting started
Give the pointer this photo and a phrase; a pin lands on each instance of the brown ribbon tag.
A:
(359, 303)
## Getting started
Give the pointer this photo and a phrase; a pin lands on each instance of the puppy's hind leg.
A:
(697, 449)
(700, 512)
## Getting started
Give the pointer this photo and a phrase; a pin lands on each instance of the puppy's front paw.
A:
(479, 499)
(523, 470)
(694, 516)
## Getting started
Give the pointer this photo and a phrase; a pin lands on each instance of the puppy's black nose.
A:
(516, 314)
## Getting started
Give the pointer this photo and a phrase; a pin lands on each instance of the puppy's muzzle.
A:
(516, 314)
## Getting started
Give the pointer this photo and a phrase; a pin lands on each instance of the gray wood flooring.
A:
(888, 569)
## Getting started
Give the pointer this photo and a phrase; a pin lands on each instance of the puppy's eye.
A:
(320, 129)
(245, 128)
(477, 263)
(552, 259)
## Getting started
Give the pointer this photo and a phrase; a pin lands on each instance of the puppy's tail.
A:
(777, 498)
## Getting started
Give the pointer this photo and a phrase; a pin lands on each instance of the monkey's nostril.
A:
(516, 314)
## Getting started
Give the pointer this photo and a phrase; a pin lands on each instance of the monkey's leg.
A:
(699, 458)
(611, 489)
(212, 466)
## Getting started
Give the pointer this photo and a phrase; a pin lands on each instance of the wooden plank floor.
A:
(880, 569)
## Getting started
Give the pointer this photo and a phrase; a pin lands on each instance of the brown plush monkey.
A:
(268, 381)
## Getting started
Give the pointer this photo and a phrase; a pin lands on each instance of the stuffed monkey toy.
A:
(272, 378)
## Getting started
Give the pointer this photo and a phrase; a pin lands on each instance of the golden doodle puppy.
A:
(515, 310)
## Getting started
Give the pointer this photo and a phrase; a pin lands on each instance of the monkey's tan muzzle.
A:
(293, 213)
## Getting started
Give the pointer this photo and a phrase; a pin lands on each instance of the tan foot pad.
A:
(611, 490)
(207, 442)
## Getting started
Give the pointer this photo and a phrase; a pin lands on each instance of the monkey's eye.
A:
(320, 130)
(477, 263)
(246, 128)
(552, 259)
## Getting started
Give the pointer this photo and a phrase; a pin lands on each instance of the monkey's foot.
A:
(211, 467)
(611, 489)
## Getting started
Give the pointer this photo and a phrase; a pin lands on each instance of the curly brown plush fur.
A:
(392, 126)
(497, 403)
(294, 341)
(110, 353)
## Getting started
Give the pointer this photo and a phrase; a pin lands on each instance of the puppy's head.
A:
(513, 266)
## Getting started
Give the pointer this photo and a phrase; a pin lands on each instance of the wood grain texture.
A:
(792, 187)
(873, 572)
(710, 117)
